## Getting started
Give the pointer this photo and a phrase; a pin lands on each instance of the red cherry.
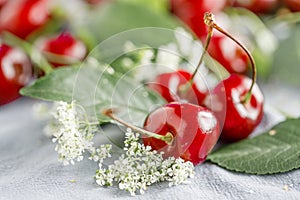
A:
(63, 49)
(195, 131)
(22, 17)
(15, 72)
(191, 12)
(241, 118)
(257, 6)
(228, 54)
(293, 5)
(168, 85)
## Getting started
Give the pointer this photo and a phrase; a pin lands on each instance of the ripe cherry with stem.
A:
(178, 129)
(244, 100)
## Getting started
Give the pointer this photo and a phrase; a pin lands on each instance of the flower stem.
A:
(168, 138)
(210, 22)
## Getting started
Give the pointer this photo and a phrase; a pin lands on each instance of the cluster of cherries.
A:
(234, 58)
(190, 124)
(23, 18)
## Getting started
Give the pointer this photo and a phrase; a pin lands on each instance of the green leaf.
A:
(96, 89)
(275, 151)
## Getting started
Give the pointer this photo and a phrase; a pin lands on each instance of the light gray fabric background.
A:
(29, 168)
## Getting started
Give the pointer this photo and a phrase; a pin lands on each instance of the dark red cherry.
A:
(62, 49)
(22, 17)
(241, 117)
(195, 131)
(257, 6)
(15, 72)
(293, 5)
(228, 54)
(169, 86)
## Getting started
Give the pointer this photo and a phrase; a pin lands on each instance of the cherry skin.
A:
(293, 5)
(62, 49)
(22, 17)
(168, 85)
(15, 72)
(228, 54)
(257, 6)
(195, 131)
(241, 118)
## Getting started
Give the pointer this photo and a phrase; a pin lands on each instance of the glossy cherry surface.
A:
(241, 118)
(15, 72)
(228, 54)
(195, 130)
(22, 17)
(168, 85)
(62, 49)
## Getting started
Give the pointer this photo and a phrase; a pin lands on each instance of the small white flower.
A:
(140, 167)
(72, 139)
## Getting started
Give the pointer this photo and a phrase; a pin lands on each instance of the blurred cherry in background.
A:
(23, 17)
(15, 72)
(62, 49)
(293, 5)
(257, 6)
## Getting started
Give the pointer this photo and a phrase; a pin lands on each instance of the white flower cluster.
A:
(72, 139)
(136, 169)
(140, 167)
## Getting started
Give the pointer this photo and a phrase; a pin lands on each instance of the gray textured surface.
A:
(29, 168)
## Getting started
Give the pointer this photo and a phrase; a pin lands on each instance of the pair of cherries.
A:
(188, 126)
(196, 125)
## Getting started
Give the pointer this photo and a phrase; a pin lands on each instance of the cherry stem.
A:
(207, 41)
(184, 87)
(210, 21)
(168, 138)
